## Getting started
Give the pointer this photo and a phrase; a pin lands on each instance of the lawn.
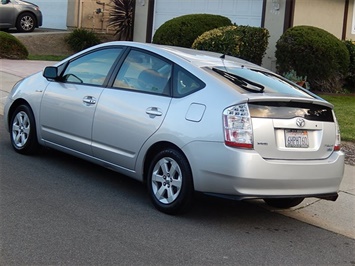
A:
(47, 57)
(344, 107)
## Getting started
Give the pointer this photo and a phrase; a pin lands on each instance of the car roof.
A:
(196, 57)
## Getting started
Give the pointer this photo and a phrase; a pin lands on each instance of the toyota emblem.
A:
(300, 122)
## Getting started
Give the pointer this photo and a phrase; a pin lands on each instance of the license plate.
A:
(295, 138)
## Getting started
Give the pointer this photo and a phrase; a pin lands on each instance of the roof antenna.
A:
(223, 56)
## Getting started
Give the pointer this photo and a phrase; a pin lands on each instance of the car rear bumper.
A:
(218, 169)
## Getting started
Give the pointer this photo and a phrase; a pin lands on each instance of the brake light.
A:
(238, 131)
(337, 145)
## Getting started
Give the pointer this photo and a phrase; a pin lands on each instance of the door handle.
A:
(89, 100)
(154, 111)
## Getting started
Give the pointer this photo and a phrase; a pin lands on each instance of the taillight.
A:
(337, 145)
(238, 131)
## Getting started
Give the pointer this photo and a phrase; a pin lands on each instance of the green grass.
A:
(344, 107)
(47, 57)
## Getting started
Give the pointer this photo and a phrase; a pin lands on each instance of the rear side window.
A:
(144, 72)
(185, 83)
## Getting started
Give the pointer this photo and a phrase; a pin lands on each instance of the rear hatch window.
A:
(259, 81)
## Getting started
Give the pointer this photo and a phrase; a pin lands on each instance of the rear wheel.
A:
(283, 203)
(26, 22)
(23, 130)
(170, 182)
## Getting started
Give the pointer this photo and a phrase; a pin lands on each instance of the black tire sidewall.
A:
(184, 199)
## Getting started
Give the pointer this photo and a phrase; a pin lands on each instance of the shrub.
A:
(183, 30)
(11, 48)
(314, 53)
(121, 19)
(81, 39)
(246, 42)
(350, 79)
(221, 40)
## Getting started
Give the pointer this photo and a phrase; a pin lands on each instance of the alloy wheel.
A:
(21, 129)
(166, 180)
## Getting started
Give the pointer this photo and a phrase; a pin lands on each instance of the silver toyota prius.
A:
(182, 121)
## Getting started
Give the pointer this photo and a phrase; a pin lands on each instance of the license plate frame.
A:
(296, 138)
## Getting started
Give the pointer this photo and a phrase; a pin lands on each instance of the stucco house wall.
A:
(350, 23)
(274, 22)
(325, 14)
(88, 14)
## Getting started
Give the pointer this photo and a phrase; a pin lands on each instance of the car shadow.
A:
(116, 184)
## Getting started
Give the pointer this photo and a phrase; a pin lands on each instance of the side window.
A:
(144, 72)
(185, 83)
(91, 68)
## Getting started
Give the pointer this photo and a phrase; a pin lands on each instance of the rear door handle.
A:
(154, 111)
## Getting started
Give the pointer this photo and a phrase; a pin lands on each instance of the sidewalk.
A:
(338, 216)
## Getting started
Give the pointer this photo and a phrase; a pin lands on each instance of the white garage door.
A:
(54, 13)
(241, 12)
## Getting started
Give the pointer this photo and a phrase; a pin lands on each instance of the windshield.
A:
(269, 82)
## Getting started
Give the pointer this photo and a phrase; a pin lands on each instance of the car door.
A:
(7, 14)
(133, 109)
(68, 105)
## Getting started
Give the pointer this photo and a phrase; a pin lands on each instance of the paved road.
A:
(56, 209)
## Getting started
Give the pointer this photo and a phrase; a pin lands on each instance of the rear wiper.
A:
(241, 82)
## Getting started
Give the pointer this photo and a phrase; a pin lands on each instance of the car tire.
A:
(169, 182)
(23, 131)
(26, 22)
(283, 203)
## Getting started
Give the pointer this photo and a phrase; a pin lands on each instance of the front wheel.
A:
(26, 22)
(170, 182)
(23, 130)
(283, 203)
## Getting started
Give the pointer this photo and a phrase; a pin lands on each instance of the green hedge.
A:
(246, 42)
(314, 53)
(11, 48)
(183, 30)
(350, 79)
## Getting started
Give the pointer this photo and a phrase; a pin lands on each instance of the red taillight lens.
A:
(337, 145)
(238, 131)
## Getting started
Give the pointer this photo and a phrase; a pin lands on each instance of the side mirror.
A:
(50, 72)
